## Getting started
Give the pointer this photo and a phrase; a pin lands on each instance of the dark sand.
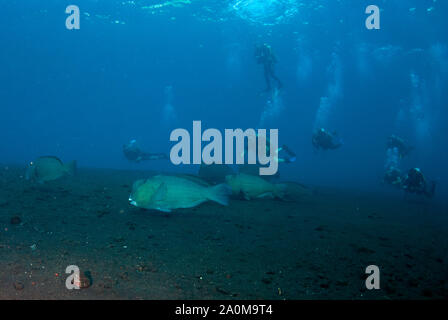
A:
(316, 248)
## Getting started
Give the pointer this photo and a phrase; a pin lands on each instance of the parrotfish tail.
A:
(71, 168)
(280, 190)
(220, 194)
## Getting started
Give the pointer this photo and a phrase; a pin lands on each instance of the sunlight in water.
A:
(267, 12)
(170, 3)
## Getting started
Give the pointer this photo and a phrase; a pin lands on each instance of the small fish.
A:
(166, 193)
(49, 168)
(252, 186)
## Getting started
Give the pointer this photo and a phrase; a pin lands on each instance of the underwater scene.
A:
(224, 150)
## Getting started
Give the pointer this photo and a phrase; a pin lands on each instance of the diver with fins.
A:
(325, 140)
(288, 156)
(415, 182)
(396, 142)
(132, 152)
(393, 177)
(265, 56)
(283, 154)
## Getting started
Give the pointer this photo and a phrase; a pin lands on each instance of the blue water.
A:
(143, 68)
(132, 72)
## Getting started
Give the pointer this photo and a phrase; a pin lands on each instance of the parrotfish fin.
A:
(70, 167)
(220, 194)
(266, 195)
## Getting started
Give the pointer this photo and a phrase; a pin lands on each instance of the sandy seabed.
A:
(314, 248)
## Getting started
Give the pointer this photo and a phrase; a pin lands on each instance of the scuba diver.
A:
(396, 142)
(132, 152)
(393, 177)
(322, 139)
(415, 182)
(265, 56)
(283, 154)
(288, 157)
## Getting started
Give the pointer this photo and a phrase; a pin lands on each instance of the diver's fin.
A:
(70, 167)
(220, 194)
